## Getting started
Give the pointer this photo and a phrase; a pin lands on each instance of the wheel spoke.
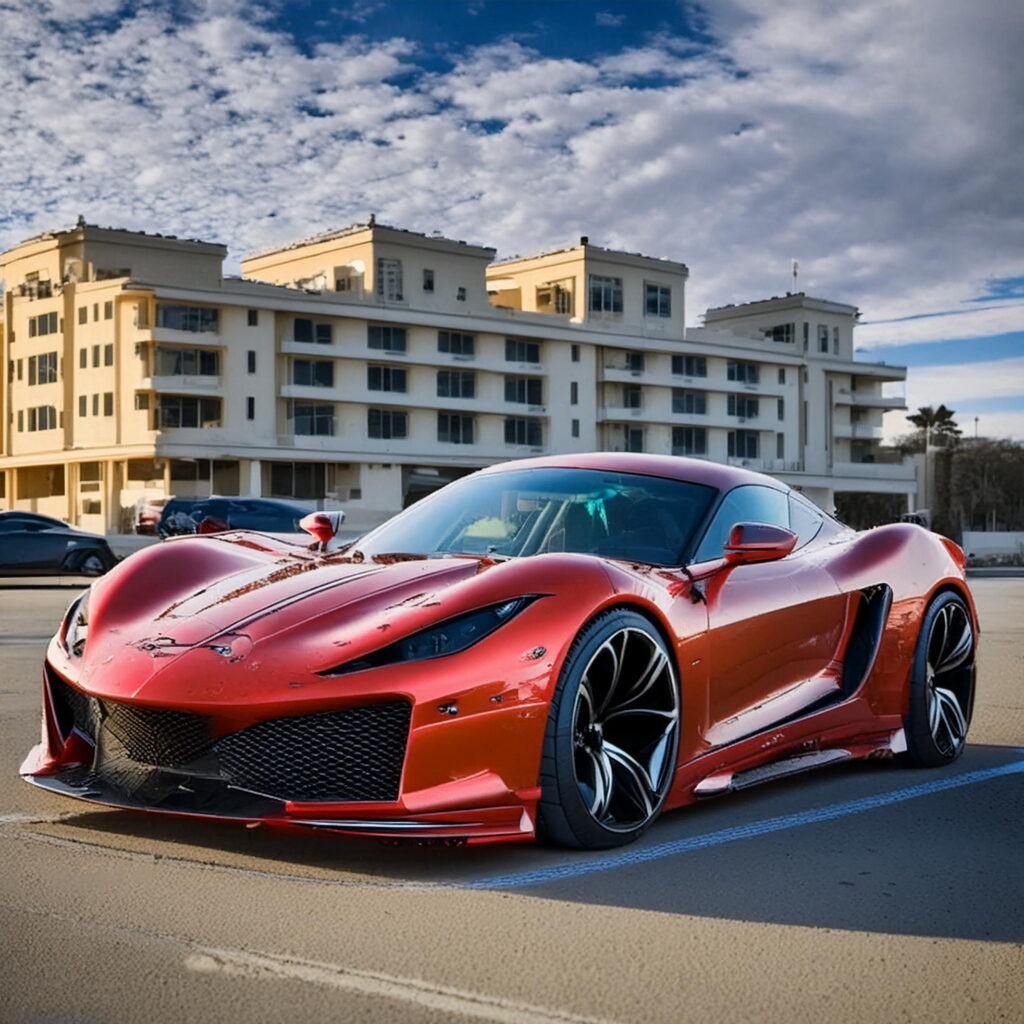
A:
(952, 715)
(656, 665)
(958, 649)
(638, 785)
(937, 640)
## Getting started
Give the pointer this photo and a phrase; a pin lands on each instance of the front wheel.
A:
(91, 563)
(941, 684)
(612, 736)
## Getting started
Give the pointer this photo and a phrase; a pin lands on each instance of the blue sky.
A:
(877, 141)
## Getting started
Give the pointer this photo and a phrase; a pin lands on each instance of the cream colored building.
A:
(363, 368)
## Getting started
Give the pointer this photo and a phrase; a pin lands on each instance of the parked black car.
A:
(34, 545)
(186, 515)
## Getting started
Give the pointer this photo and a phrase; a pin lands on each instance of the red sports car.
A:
(561, 646)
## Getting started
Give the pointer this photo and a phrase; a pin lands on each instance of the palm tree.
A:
(936, 425)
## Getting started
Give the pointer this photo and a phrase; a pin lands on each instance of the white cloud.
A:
(608, 20)
(877, 140)
(985, 321)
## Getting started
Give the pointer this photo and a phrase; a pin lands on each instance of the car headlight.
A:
(449, 637)
(76, 629)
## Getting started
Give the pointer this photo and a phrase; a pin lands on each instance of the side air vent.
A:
(862, 649)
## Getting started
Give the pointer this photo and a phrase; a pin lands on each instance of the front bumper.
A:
(343, 771)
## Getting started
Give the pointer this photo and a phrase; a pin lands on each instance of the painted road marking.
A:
(630, 857)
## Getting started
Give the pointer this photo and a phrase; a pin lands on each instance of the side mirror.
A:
(758, 542)
(324, 526)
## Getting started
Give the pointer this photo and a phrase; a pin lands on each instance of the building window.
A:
(575, 428)
(385, 378)
(575, 353)
(524, 390)
(784, 333)
(313, 373)
(95, 355)
(108, 310)
(456, 344)
(311, 333)
(389, 279)
(633, 439)
(689, 366)
(523, 431)
(822, 338)
(632, 396)
(298, 479)
(605, 294)
(453, 428)
(21, 420)
(518, 351)
(83, 358)
(691, 403)
(382, 336)
(252, 317)
(95, 405)
(387, 424)
(743, 406)
(45, 323)
(689, 441)
(141, 401)
(460, 294)
(186, 362)
(95, 311)
(83, 405)
(744, 444)
(312, 419)
(657, 300)
(83, 314)
(250, 408)
(41, 417)
(807, 332)
(574, 393)
(198, 319)
(42, 369)
(250, 361)
(782, 408)
(835, 341)
(456, 384)
(782, 375)
(635, 362)
(174, 411)
(108, 355)
(428, 280)
(745, 373)
(108, 403)
(780, 446)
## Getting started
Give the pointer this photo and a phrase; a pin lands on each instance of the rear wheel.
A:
(91, 563)
(941, 683)
(612, 736)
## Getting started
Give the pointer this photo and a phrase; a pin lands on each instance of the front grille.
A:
(336, 755)
(155, 736)
(148, 735)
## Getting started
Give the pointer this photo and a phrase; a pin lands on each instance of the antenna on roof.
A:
(796, 268)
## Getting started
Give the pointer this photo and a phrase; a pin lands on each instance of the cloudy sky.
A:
(879, 142)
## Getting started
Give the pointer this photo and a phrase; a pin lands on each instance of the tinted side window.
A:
(806, 520)
(748, 504)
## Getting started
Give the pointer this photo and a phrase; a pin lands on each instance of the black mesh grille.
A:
(74, 709)
(155, 736)
(337, 755)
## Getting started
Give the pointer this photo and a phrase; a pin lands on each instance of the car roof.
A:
(673, 467)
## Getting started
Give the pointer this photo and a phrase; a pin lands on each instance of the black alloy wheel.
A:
(941, 683)
(612, 736)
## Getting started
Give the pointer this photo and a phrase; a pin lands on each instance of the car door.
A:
(775, 627)
(29, 543)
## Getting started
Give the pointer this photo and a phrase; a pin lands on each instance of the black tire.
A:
(92, 562)
(941, 684)
(612, 735)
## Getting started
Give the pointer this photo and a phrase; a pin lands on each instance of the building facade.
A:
(364, 368)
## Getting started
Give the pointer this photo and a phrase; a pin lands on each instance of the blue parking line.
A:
(629, 857)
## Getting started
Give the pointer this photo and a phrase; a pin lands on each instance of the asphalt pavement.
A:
(863, 892)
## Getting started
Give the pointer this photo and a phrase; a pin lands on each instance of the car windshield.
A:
(535, 511)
